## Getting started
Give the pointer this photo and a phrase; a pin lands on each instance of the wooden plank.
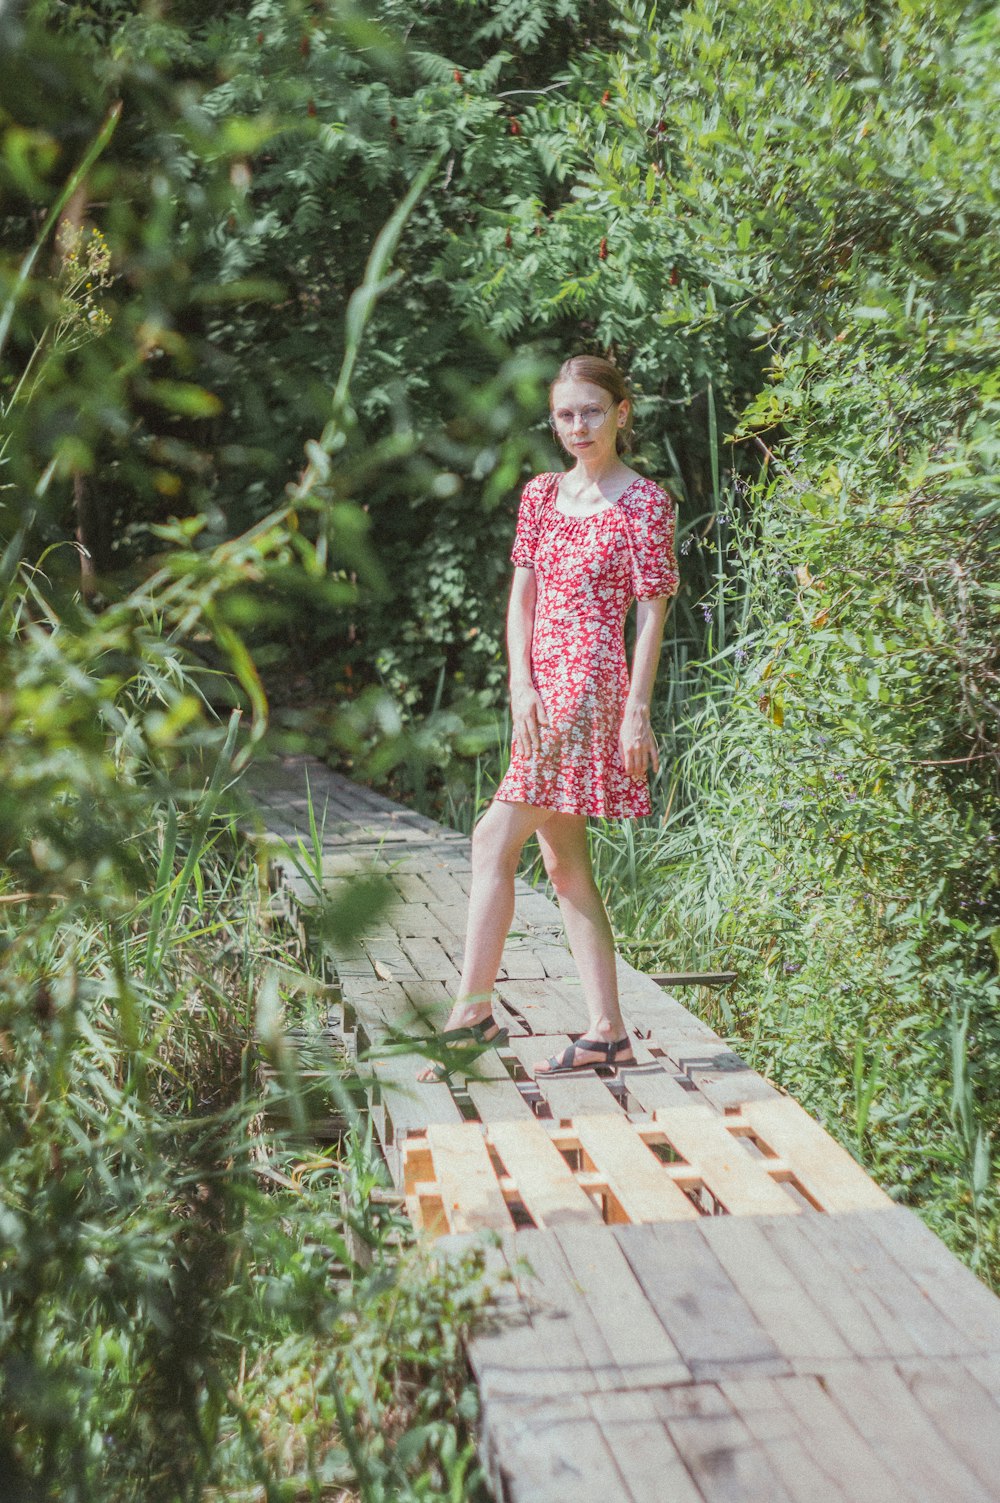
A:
(960, 1410)
(704, 1313)
(553, 1452)
(986, 1371)
(647, 1458)
(652, 1082)
(441, 885)
(511, 1361)
(909, 1322)
(720, 1074)
(581, 1092)
(520, 962)
(407, 1106)
(533, 907)
(562, 1316)
(774, 1425)
(841, 1304)
(723, 1458)
(740, 1182)
(411, 886)
(430, 960)
(463, 1172)
(634, 1175)
(826, 1170)
(556, 960)
(389, 961)
(881, 1407)
(451, 918)
(954, 1289)
(633, 1332)
(542, 1004)
(414, 921)
(836, 1445)
(493, 1093)
(784, 1305)
(545, 1181)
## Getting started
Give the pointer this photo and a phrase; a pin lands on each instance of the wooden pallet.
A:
(770, 1159)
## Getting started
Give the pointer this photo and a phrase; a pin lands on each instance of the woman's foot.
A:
(586, 1054)
(470, 1022)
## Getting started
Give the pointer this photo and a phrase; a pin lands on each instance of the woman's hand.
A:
(636, 741)
(529, 716)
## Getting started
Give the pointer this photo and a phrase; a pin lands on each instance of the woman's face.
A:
(587, 419)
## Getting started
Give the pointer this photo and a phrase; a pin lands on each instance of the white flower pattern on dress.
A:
(588, 572)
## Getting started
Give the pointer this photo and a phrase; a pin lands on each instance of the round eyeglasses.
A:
(564, 420)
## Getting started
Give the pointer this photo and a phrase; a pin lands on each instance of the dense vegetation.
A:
(279, 294)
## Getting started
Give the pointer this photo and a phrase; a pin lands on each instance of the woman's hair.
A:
(600, 372)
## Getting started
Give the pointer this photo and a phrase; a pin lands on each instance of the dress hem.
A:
(501, 798)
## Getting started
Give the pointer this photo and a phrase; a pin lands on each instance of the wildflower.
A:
(706, 611)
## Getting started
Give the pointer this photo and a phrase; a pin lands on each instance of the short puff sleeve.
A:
(526, 536)
(651, 522)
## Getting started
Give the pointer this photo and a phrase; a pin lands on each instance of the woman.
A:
(588, 542)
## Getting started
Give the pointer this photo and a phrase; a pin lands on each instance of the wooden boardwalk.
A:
(710, 1302)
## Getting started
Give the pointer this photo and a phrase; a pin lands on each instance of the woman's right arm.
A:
(525, 702)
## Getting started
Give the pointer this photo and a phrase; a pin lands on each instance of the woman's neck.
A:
(596, 472)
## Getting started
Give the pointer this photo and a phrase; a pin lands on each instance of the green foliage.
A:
(794, 209)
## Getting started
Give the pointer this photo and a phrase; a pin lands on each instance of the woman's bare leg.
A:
(566, 855)
(497, 842)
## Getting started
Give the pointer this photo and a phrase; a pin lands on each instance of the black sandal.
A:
(469, 1042)
(565, 1063)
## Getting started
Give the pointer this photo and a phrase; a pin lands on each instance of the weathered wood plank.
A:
(722, 1076)
(724, 1459)
(785, 1307)
(837, 1446)
(493, 1093)
(389, 961)
(634, 1333)
(563, 1317)
(777, 1429)
(740, 1182)
(881, 1407)
(959, 1408)
(430, 960)
(841, 1304)
(520, 962)
(647, 1458)
(826, 1170)
(550, 1193)
(634, 1175)
(909, 1322)
(706, 1317)
(953, 1288)
(451, 918)
(463, 1172)
(555, 1452)
(542, 1004)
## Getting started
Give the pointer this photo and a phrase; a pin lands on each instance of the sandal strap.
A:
(474, 1032)
(566, 1060)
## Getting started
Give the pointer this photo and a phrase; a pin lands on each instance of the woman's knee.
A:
(571, 876)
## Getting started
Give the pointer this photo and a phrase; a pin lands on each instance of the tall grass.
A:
(195, 1299)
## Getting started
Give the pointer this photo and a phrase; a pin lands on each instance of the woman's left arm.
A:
(637, 741)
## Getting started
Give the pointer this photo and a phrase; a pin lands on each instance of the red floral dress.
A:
(588, 572)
